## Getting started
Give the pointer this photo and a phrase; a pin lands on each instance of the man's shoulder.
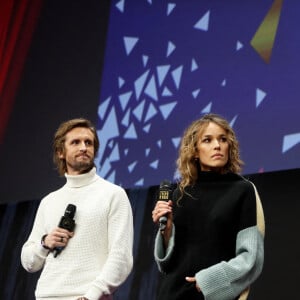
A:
(52, 194)
(104, 183)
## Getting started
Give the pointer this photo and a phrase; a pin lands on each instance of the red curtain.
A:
(17, 22)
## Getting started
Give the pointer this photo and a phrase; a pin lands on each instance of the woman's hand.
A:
(193, 279)
(162, 208)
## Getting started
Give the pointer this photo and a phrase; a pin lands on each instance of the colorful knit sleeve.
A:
(227, 280)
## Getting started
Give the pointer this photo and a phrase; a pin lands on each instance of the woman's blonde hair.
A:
(60, 138)
(188, 165)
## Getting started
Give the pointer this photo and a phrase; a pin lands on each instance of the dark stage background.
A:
(61, 56)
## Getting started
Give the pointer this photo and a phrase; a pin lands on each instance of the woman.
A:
(212, 246)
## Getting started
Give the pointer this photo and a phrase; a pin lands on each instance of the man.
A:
(93, 259)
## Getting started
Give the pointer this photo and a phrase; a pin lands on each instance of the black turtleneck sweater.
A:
(214, 238)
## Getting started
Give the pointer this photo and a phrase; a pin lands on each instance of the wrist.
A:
(43, 242)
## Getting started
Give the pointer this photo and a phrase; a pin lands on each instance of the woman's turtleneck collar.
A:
(76, 181)
(211, 175)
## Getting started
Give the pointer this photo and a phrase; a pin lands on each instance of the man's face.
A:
(79, 150)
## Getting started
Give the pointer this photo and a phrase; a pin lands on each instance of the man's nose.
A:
(82, 146)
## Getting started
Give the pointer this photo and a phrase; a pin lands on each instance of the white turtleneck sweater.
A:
(98, 258)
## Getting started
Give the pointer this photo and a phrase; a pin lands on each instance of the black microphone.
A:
(66, 222)
(165, 195)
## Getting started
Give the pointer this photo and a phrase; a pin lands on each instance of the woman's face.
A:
(212, 148)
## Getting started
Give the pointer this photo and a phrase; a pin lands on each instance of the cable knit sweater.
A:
(98, 258)
(217, 237)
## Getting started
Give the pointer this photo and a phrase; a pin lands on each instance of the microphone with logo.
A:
(66, 222)
(165, 194)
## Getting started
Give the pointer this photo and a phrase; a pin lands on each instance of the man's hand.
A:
(58, 237)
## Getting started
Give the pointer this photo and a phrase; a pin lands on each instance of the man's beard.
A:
(82, 166)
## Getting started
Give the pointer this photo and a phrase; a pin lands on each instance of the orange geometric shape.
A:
(264, 38)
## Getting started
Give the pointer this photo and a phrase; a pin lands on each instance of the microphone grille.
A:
(165, 184)
(70, 210)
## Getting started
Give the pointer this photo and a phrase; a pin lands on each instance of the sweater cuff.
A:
(162, 254)
(221, 290)
(93, 293)
(41, 251)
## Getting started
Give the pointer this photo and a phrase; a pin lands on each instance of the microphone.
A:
(66, 222)
(164, 194)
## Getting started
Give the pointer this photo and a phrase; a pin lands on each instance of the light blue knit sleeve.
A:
(226, 280)
(162, 256)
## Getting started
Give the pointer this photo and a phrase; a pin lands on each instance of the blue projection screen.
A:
(168, 63)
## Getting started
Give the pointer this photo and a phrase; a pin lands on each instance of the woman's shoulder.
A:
(242, 181)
